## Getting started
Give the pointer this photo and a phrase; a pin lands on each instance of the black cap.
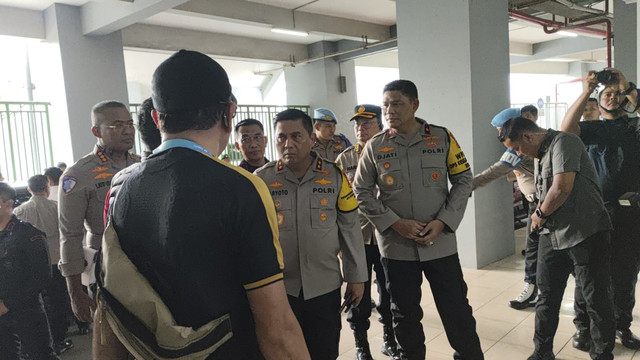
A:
(188, 81)
(367, 111)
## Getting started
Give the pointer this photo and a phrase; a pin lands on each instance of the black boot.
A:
(362, 346)
(389, 345)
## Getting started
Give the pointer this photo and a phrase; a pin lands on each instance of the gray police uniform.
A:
(317, 220)
(84, 186)
(358, 317)
(412, 174)
(332, 149)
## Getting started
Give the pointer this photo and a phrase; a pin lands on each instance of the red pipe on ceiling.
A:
(551, 27)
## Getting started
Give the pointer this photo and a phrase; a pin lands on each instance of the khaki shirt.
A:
(316, 220)
(83, 188)
(412, 175)
(332, 149)
(42, 213)
(348, 162)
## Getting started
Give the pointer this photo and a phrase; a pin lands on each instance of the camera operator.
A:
(614, 146)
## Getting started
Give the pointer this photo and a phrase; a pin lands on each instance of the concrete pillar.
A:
(93, 71)
(317, 84)
(625, 37)
(457, 53)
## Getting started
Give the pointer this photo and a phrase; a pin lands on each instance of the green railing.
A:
(25, 131)
(262, 113)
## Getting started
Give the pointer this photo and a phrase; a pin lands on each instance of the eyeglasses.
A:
(121, 125)
(249, 139)
(365, 124)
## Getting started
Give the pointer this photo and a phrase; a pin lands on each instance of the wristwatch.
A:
(632, 87)
(540, 214)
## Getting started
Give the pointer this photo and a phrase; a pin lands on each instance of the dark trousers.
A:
(57, 305)
(26, 329)
(625, 264)
(320, 321)
(404, 279)
(358, 317)
(590, 262)
(531, 250)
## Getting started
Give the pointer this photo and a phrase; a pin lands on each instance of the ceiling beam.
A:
(560, 47)
(154, 37)
(247, 12)
(22, 23)
(521, 49)
(101, 17)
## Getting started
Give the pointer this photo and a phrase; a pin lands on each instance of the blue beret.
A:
(505, 115)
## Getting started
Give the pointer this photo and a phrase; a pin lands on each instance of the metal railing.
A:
(262, 113)
(25, 131)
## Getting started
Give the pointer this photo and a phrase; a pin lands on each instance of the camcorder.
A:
(606, 77)
(631, 199)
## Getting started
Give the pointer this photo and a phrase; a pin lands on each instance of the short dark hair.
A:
(149, 133)
(54, 174)
(591, 99)
(406, 88)
(37, 183)
(515, 127)
(98, 110)
(61, 164)
(7, 192)
(248, 122)
(201, 119)
(294, 114)
(530, 109)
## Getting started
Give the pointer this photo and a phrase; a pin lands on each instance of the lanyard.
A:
(183, 143)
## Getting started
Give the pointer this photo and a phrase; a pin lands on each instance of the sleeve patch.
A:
(347, 200)
(456, 161)
(511, 158)
(68, 183)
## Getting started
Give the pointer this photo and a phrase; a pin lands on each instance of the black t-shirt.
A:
(250, 168)
(202, 234)
(614, 148)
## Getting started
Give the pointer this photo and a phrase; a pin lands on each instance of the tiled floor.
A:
(504, 333)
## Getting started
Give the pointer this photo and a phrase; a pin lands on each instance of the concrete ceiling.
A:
(241, 29)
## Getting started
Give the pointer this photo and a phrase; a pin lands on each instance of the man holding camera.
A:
(614, 146)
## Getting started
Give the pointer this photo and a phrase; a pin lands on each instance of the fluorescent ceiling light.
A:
(567, 33)
(289, 32)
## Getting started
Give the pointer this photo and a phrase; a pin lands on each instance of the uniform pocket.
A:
(433, 173)
(389, 175)
(323, 211)
(284, 213)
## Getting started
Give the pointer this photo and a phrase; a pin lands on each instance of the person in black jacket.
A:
(24, 272)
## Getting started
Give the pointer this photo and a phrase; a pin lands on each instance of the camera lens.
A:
(606, 77)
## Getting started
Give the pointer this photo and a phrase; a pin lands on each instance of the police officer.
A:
(523, 169)
(84, 188)
(317, 219)
(24, 272)
(367, 122)
(328, 145)
(251, 143)
(415, 216)
(613, 144)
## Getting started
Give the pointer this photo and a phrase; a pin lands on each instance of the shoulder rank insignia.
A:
(103, 158)
(427, 129)
(280, 165)
(319, 164)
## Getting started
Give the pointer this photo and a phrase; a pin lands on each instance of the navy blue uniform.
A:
(24, 272)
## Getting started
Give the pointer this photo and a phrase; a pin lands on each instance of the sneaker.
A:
(63, 346)
(526, 298)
